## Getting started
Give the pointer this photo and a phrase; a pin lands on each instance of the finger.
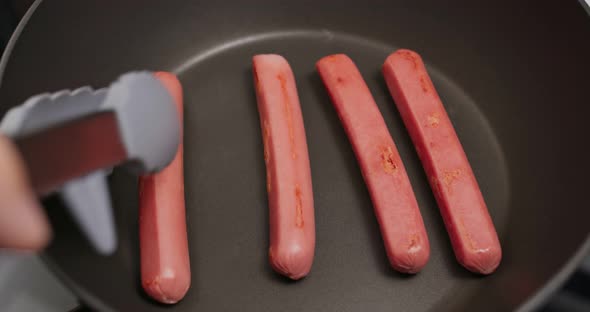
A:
(23, 224)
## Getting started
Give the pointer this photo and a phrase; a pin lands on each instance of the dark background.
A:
(574, 295)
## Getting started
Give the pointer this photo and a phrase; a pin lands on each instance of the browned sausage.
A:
(455, 188)
(288, 175)
(165, 265)
(402, 227)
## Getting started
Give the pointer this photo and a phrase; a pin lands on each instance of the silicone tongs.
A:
(71, 140)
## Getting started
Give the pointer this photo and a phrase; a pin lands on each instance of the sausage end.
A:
(404, 55)
(294, 263)
(412, 259)
(334, 58)
(482, 261)
(169, 287)
(269, 60)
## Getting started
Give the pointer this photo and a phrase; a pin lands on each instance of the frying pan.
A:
(512, 75)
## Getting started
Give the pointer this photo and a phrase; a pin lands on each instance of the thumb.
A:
(23, 224)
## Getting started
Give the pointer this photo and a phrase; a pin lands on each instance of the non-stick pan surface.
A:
(513, 77)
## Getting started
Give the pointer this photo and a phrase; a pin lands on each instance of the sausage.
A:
(395, 205)
(164, 256)
(451, 178)
(288, 174)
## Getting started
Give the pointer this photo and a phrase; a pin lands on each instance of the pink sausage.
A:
(288, 175)
(455, 188)
(164, 256)
(402, 227)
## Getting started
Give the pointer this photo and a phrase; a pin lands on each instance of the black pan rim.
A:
(533, 302)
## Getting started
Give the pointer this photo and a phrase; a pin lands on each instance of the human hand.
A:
(23, 224)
